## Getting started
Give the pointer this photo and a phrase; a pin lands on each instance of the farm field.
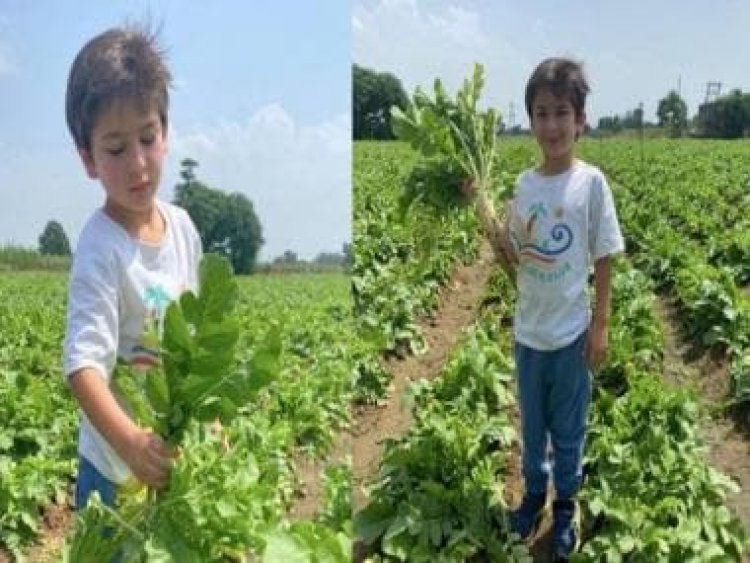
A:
(668, 477)
(283, 463)
(426, 389)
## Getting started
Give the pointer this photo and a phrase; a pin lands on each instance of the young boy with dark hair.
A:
(562, 219)
(134, 255)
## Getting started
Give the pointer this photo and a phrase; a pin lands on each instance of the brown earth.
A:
(458, 306)
(56, 523)
(727, 440)
(308, 471)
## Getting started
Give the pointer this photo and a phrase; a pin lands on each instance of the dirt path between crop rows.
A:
(728, 442)
(56, 522)
(458, 305)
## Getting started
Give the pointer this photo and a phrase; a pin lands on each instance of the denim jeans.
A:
(90, 480)
(554, 390)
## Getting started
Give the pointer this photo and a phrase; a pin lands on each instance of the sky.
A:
(261, 100)
(633, 52)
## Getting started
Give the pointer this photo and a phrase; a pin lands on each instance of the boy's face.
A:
(128, 147)
(555, 124)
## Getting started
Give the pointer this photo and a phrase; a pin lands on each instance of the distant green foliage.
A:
(226, 223)
(54, 240)
(17, 258)
(727, 118)
(374, 93)
(672, 113)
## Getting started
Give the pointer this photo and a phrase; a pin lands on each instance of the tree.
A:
(288, 257)
(609, 123)
(374, 93)
(672, 113)
(53, 240)
(727, 117)
(226, 223)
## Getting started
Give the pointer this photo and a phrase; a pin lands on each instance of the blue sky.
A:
(633, 51)
(261, 100)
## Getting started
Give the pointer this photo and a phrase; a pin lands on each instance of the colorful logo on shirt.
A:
(156, 297)
(541, 240)
(146, 353)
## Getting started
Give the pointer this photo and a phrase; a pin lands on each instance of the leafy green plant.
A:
(458, 144)
(197, 381)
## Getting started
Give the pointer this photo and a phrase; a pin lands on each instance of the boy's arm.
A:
(142, 450)
(497, 232)
(598, 338)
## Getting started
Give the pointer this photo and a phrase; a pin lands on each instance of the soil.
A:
(57, 521)
(725, 436)
(459, 303)
(309, 471)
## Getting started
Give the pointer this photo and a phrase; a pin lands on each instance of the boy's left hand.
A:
(597, 344)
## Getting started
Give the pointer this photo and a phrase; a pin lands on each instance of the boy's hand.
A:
(504, 235)
(597, 345)
(149, 458)
(469, 188)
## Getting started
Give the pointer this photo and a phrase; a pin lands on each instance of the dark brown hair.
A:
(564, 78)
(119, 64)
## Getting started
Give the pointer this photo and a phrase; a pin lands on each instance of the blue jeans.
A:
(90, 480)
(554, 390)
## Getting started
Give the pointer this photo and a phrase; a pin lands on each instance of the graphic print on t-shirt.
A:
(541, 238)
(145, 354)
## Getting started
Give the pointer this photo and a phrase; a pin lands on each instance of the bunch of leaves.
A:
(371, 380)
(452, 134)
(710, 301)
(216, 507)
(197, 381)
(327, 538)
(637, 342)
(26, 484)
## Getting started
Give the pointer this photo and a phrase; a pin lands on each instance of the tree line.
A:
(728, 117)
(226, 222)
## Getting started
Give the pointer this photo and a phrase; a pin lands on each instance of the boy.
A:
(134, 255)
(561, 219)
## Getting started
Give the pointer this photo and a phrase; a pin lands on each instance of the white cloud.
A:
(297, 176)
(419, 40)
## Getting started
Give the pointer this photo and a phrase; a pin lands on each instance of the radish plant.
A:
(196, 381)
(458, 143)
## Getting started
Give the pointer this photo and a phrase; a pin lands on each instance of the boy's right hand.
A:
(149, 458)
(504, 235)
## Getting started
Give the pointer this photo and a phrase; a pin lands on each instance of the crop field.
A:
(278, 483)
(653, 490)
(229, 502)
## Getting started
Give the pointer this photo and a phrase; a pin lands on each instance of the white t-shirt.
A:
(118, 287)
(559, 226)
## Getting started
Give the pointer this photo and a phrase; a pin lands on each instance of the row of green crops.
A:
(682, 205)
(234, 500)
(649, 494)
